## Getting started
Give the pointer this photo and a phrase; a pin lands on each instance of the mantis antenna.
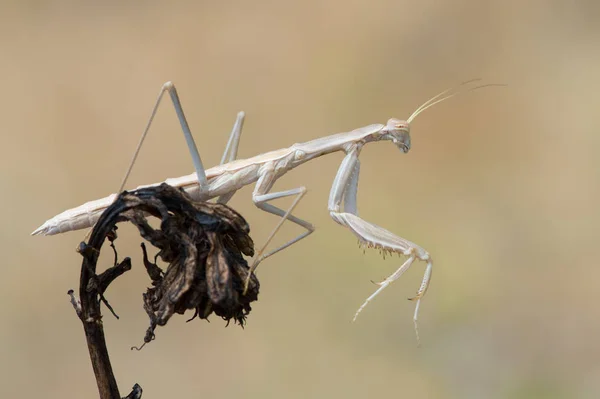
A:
(445, 96)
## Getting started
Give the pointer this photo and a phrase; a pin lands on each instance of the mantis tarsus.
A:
(223, 181)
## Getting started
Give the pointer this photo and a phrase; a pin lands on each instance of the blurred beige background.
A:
(501, 186)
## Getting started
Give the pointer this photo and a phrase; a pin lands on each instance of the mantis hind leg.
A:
(229, 155)
(197, 161)
(231, 150)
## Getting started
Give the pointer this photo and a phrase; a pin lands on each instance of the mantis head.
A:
(398, 131)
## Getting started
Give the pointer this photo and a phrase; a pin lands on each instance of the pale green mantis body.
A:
(263, 170)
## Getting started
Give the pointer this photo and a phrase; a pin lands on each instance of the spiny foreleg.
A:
(344, 189)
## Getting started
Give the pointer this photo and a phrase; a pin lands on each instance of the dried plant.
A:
(204, 246)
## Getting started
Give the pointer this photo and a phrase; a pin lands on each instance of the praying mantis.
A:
(223, 181)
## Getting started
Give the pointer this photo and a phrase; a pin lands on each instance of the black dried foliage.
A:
(204, 246)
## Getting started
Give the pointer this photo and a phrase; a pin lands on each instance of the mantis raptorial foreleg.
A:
(350, 201)
(345, 187)
(261, 197)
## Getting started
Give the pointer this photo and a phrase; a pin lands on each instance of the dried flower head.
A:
(204, 246)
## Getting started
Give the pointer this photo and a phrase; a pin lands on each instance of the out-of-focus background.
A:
(501, 186)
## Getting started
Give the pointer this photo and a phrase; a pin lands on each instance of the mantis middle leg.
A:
(345, 187)
(261, 197)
